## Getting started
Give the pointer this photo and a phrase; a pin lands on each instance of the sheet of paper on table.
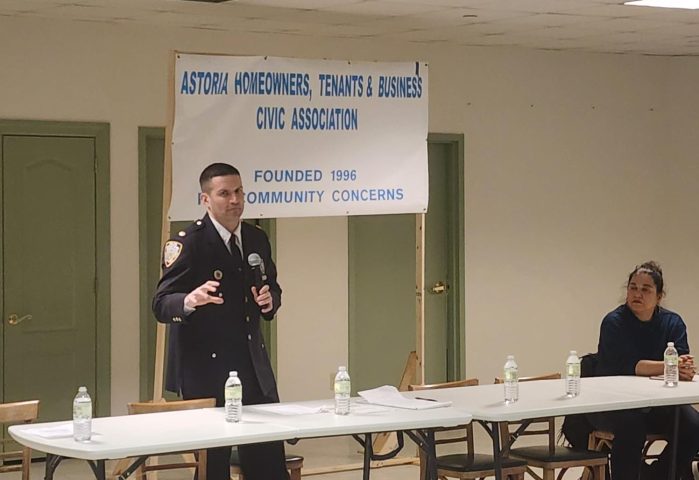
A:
(389, 396)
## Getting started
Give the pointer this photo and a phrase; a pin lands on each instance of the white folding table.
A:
(156, 433)
(546, 398)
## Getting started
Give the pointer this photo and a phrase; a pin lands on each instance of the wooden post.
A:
(159, 367)
(419, 296)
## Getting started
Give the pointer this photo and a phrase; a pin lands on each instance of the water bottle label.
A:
(342, 387)
(234, 393)
(671, 360)
(511, 375)
(82, 410)
(573, 369)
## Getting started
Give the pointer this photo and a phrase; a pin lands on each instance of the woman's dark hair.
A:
(656, 273)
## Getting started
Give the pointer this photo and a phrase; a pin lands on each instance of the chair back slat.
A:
(546, 376)
(136, 408)
(469, 382)
(18, 412)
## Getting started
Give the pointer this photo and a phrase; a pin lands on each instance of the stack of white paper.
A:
(287, 409)
(389, 396)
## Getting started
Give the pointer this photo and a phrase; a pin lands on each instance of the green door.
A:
(382, 318)
(381, 298)
(438, 281)
(48, 270)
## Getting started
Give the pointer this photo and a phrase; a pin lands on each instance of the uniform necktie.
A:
(234, 246)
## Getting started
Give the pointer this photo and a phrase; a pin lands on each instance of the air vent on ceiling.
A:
(208, 1)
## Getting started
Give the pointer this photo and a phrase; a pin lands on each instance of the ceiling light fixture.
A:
(686, 4)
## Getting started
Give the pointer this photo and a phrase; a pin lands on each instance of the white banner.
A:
(310, 137)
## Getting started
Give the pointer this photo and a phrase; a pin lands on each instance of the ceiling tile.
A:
(326, 17)
(378, 7)
(590, 25)
(307, 4)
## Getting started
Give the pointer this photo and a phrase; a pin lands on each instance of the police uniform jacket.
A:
(204, 345)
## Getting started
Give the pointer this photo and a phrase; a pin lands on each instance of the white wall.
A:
(578, 166)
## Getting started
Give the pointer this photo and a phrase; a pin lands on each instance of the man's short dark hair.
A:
(216, 170)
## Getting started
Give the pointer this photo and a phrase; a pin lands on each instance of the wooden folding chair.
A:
(549, 457)
(11, 413)
(469, 465)
(199, 460)
(601, 441)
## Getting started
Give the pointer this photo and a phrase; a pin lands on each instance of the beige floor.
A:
(318, 453)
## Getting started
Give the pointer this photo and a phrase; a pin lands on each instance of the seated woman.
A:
(632, 341)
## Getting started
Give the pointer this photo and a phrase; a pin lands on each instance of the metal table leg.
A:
(497, 453)
(52, 462)
(675, 435)
(97, 467)
(426, 442)
(494, 432)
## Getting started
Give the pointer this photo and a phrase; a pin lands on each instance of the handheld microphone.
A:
(258, 270)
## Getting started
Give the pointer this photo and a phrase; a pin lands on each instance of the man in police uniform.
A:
(208, 296)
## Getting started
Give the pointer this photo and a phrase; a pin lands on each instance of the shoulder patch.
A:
(171, 252)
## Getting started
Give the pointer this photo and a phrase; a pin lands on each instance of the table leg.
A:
(97, 466)
(132, 468)
(497, 453)
(368, 452)
(494, 432)
(98, 469)
(52, 462)
(431, 454)
(368, 447)
(426, 443)
(673, 457)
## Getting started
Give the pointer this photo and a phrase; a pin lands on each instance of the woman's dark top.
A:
(624, 340)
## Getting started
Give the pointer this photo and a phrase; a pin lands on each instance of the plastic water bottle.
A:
(572, 375)
(82, 416)
(672, 361)
(511, 380)
(343, 387)
(233, 392)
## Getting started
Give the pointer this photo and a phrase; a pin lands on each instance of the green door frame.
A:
(456, 348)
(147, 321)
(100, 133)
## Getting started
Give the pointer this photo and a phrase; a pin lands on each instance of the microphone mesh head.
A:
(254, 260)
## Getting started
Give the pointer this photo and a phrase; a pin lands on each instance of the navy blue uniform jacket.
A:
(204, 345)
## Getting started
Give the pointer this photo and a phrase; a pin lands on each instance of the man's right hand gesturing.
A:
(202, 295)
